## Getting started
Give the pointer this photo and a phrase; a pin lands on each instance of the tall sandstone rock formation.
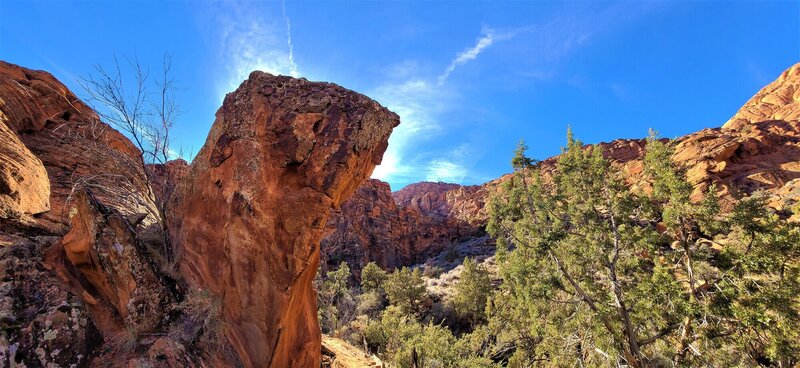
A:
(251, 211)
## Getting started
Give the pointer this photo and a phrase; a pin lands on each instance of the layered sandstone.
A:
(779, 100)
(250, 213)
(445, 201)
(24, 187)
(369, 227)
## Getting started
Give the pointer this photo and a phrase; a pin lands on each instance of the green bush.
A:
(406, 289)
(373, 278)
(471, 292)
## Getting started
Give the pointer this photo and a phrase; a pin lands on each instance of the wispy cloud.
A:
(446, 171)
(453, 167)
(251, 38)
(488, 39)
(419, 104)
(292, 64)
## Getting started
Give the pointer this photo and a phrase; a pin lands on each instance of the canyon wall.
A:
(401, 228)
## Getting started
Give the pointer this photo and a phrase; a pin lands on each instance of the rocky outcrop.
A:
(445, 201)
(779, 100)
(103, 246)
(369, 227)
(757, 150)
(337, 353)
(251, 211)
(42, 322)
(78, 275)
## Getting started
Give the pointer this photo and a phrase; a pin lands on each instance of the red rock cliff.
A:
(251, 211)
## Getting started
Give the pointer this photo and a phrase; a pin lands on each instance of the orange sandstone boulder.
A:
(104, 247)
(250, 213)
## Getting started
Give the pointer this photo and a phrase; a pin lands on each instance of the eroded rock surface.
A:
(104, 247)
(44, 324)
(779, 100)
(251, 211)
(24, 187)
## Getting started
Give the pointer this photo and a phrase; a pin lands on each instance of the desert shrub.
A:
(202, 318)
(406, 289)
(373, 278)
(402, 341)
(431, 271)
(471, 292)
(124, 342)
(336, 305)
(370, 303)
(452, 253)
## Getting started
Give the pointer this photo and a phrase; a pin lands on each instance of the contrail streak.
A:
(292, 64)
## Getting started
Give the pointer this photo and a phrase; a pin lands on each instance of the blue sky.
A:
(469, 79)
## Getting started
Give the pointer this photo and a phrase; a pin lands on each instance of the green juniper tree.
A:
(472, 291)
(373, 278)
(597, 274)
(335, 303)
(406, 289)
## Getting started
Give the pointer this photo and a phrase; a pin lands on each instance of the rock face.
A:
(445, 201)
(104, 247)
(252, 209)
(758, 149)
(401, 228)
(779, 100)
(24, 187)
(369, 227)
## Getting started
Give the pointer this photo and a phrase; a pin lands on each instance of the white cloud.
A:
(453, 167)
(292, 64)
(418, 104)
(446, 171)
(489, 38)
